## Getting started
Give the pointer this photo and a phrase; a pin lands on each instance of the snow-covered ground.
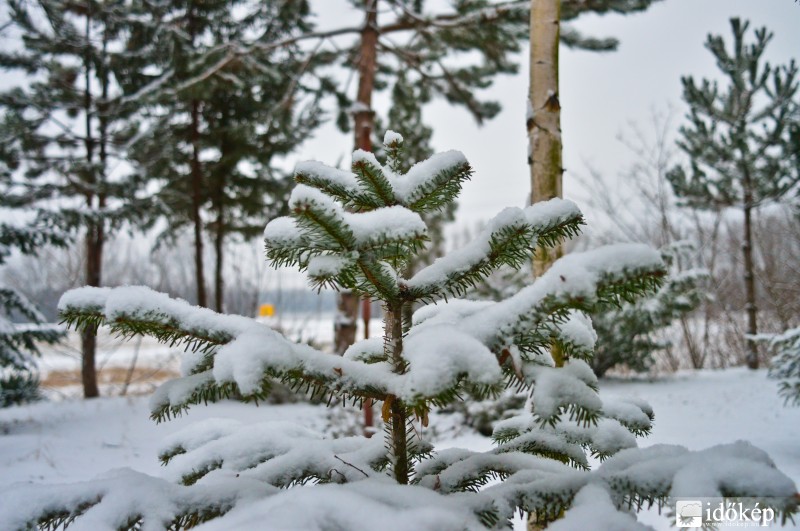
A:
(72, 440)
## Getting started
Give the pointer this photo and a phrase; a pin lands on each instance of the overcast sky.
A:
(600, 94)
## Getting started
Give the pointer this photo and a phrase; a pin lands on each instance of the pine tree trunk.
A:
(544, 115)
(363, 121)
(219, 178)
(749, 279)
(196, 184)
(94, 230)
(197, 220)
(345, 325)
(219, 240)
(219, 284)
(94, 259)
(363, 125)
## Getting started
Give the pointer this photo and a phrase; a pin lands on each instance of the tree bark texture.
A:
(749, 279)
(544, 115)
(397, 409)
(197, 220)
(219, 247)
(544, 131)
(220, 229)
(94, 259)
(344, 325)
(94, 230)
(196, 184)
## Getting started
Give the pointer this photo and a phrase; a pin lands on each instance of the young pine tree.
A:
(742, 140)
(357, 230)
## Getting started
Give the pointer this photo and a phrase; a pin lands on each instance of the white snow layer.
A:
(391, 137)
(327, 265)
(64, 430)
(277, 453)
(442, 354)
(592, 508)
(282, 231)
(395, 222)
(356, 506)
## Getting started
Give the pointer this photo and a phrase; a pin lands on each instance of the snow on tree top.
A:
(391, 137)
(360, 155)
(302, 195)
(386, 223)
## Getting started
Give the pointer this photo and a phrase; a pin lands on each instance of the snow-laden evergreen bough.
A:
(786, 363)
(19, 342)
(357, 230)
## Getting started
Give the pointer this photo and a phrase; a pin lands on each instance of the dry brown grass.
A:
(109, 376)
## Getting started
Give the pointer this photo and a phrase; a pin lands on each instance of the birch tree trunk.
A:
(544, 131)
(544, 114)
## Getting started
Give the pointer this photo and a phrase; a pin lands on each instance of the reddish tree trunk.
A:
(94, 259)
(363, 120)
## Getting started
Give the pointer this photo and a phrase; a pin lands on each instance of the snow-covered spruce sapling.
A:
(356, 230)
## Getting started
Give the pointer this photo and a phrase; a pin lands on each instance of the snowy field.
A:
(73, 440)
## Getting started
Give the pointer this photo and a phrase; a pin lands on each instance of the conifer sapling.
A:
(356, 230)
